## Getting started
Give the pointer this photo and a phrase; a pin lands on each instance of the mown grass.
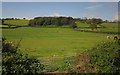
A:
(17, 22)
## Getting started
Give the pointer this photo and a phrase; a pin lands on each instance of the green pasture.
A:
(52, 45)
(109, 27)
(41, 42)
(17, 22)
(79, 24)
(3, 25)
(6, 26)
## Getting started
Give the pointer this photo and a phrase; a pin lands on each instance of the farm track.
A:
(53, 57)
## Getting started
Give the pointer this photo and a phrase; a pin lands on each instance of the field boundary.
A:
(98, 32)
(65, 27)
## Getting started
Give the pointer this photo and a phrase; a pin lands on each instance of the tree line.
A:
(93, 23)
(58, 21)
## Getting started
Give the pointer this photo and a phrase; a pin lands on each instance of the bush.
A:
(103, 58)
(15, 62)
(106, 57)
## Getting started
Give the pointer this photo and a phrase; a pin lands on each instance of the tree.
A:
(106, 57)
(73, 25)
(9, 25)
(47, 22)
(93, 26)
(12, 18)
(2, 21)
(106, 21)
(94, 22)
(24, 18)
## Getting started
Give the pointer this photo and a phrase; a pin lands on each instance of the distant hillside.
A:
(110, 27)
(79, 24)
(17, 22)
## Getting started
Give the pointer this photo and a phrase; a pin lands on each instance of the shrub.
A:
(103, 58)
(106, 57)
(81, 64)
(15, 62)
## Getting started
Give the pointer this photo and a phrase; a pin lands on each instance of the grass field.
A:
(79, 24)
(6, 26)
(52, 45)
(110, 27)
(3, 26)
(17, 22)
(82, 24)
(40, 42)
